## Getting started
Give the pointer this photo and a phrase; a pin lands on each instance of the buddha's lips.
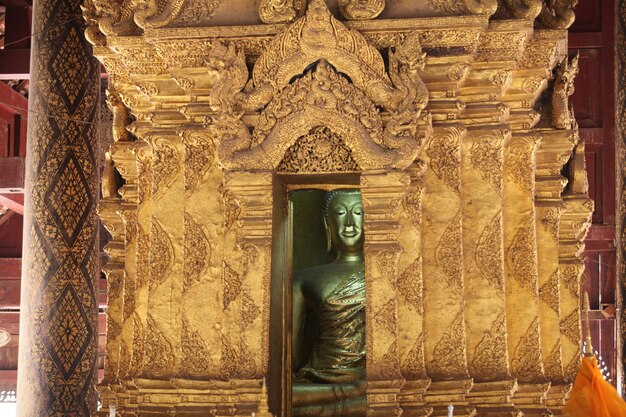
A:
(350, 234)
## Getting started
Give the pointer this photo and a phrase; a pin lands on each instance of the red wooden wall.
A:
(592, 35)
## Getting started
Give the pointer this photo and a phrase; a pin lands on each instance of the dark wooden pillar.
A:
(58, 326)
(620, 155)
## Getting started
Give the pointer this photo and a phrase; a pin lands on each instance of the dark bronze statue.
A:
(329, 319)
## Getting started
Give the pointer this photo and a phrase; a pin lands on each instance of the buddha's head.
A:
(343, 215)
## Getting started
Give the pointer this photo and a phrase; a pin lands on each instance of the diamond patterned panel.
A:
(69, 198)
(69, 333)
(68, 67)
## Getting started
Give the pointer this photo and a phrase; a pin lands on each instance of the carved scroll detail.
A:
(319, 151)
(489, 256)
(526, 363)
(449, 355)
(411, 285)
(549, 292)
(571, 327)
(279, 11)
(444, 152)
(521, 255)
(195, 353)
(158, 351)
(486, 156)
(490, 357)
(554, 365)
(231, 284)
(161, 255)
(359, 9)
(449, 254)
(413, 366)
(197, 252)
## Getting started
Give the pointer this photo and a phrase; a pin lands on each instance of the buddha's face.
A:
(345, 221)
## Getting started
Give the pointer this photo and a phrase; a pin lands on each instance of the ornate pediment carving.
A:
(322, 97)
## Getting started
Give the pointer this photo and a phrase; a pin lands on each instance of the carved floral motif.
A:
(164, 165)
(449, 255)
(571, 327)
(553, 364)
(489, 256)
(526, 364)
(158, 350)
(444, 152)
(386, 317)
(195, 353)
(361, 9)
(231, 284)
(486, 155)
(161, 255)
(449, 355)
(199, 156)
(521, 255)
(549, 292)
(319, 151)
(490, 360)
(411, 285)
(279, 11)
(197, 252)
(413, 366)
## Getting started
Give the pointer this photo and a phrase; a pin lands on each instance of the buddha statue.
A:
(328, 345)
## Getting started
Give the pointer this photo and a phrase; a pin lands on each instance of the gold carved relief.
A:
(319, 151)
(489, 256)
(199, 156)
(449, 357)
(361, 9)
(161, 255)
(231, 284)
(449, 255)
(553, 364)
(571, 327)
(387, 316)
(279, 11)
(486, 156)
(444, 152)
(521, 255)
(550, 291)
(490, 361)
(411, 285)
(196, 252)
(526, 363)
(158, 350)
(195, 353)
(414, 366)
(165, 164)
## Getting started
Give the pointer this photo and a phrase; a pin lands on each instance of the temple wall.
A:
(475, 211)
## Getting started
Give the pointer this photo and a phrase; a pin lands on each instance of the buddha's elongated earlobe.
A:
(329, 243)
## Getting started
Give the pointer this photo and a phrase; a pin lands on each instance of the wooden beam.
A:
(12, 201)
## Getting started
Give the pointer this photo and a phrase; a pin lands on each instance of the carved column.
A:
(482, 189)
(522, 276)
(248, 271)
(58, 326)
(382, 198)
(410, 284)
(442, 263)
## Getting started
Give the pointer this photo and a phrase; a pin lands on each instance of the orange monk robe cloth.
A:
(592, 396)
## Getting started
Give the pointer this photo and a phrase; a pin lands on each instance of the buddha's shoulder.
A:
(314, 272)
